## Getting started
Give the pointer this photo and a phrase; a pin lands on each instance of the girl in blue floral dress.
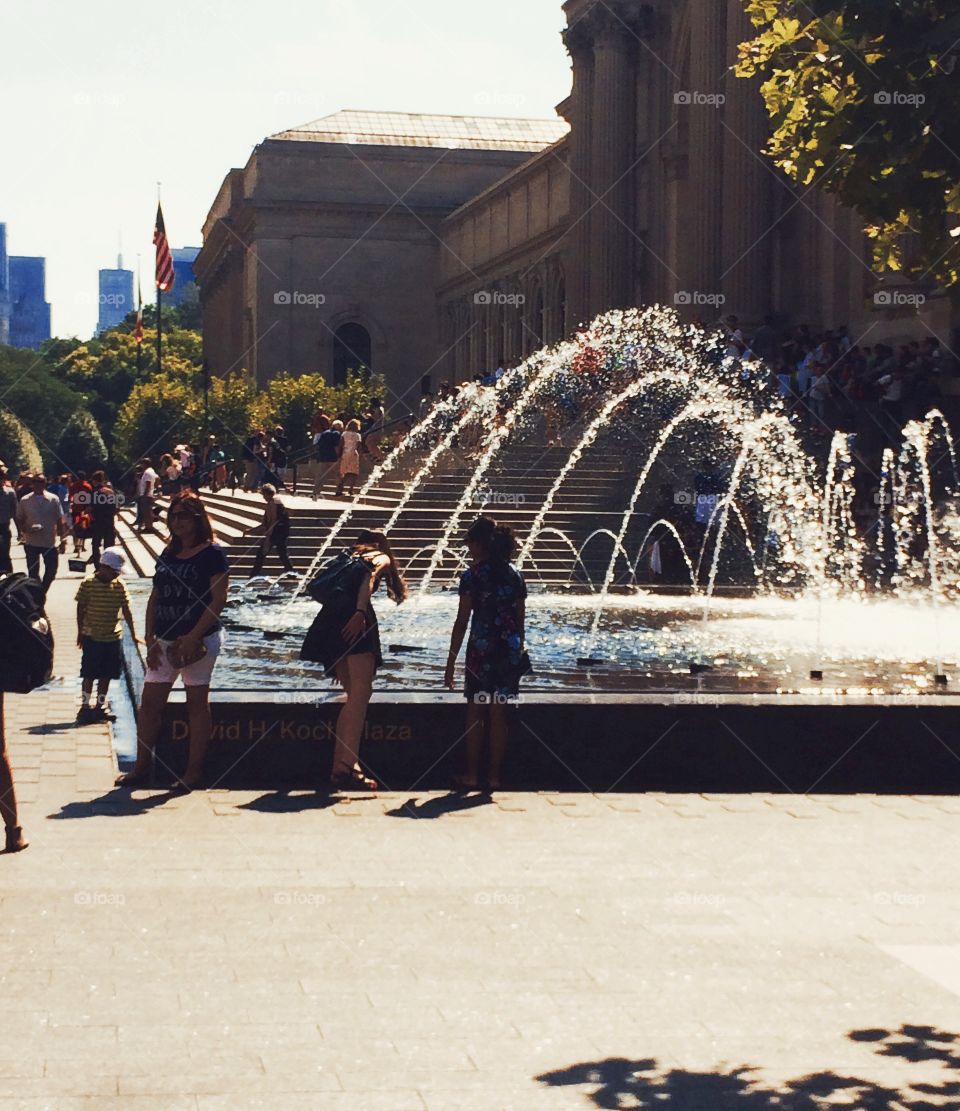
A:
(492, 590)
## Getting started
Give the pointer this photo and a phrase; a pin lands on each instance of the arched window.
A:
(351, 351)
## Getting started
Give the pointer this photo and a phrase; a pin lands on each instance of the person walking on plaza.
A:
(80, 500)
(320, 422)
(254, 459)
(276, 530)
(345, 638)
(183, 636)
(216, 464)
(8, 513)
(374, 430)
(103, 515)
(41, 527)
(492, 590)
(327, 446)
(349, 452)
(146, 495)
(14, 841)
(101, 601)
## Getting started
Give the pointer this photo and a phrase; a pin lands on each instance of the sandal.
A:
(460, 785)
(133, 781)
(14, 839)
(352, 779)
(180, 786)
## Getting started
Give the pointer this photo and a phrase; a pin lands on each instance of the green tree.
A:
(862, 95)
(18, 448)
(34, 395)
(158, 414)
(106, 369)
(235, 407)
(81, 447)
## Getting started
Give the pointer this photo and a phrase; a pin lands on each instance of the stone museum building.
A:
(437, 247)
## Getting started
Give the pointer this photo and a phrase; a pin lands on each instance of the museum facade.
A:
(437, 247)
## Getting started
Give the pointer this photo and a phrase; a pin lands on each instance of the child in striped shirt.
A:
(100, 601)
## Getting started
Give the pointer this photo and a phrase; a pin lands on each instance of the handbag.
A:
(339, 579)
(177, 657)
(26, 639)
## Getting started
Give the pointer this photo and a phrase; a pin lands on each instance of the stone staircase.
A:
(513, 492)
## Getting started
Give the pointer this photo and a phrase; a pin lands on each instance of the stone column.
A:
(612, 244)
(577, 111)
(705, 199)
(747, 188)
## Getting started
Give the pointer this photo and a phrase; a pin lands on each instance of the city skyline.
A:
(143, 110)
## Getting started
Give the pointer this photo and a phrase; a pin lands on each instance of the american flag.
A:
(165, 272)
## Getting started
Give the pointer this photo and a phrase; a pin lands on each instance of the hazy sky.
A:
(103, 99)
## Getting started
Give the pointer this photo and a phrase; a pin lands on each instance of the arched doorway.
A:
(352, 350)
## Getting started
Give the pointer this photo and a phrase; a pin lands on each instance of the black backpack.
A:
(338, 580)
(26, 639)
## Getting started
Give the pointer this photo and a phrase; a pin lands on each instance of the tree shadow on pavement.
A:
(642, 1083)
(437, 807)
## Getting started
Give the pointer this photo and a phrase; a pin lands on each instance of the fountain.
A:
(782, 589)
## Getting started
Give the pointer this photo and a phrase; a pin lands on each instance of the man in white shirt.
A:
(41, 525)
(146, 488)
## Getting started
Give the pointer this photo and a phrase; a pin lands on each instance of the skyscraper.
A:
(116, 296)
(185, 280)
(29, 310)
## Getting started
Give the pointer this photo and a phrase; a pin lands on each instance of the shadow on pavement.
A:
(437, 807)
(117, 803)
(620, 1083)
(282, 802)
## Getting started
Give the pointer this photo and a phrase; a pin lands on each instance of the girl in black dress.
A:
(492, 590)
(346, 640)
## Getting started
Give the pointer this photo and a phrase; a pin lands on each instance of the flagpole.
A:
(139, 324)
(159, 305)
(159, 332)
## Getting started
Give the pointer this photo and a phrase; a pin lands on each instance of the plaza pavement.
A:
(265, 950)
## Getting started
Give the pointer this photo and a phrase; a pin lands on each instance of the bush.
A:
(292, 401)
(81, 447)
(18, 448)
(235, 407)
(158, 414)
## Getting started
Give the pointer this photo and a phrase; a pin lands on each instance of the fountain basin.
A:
(752, 721)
